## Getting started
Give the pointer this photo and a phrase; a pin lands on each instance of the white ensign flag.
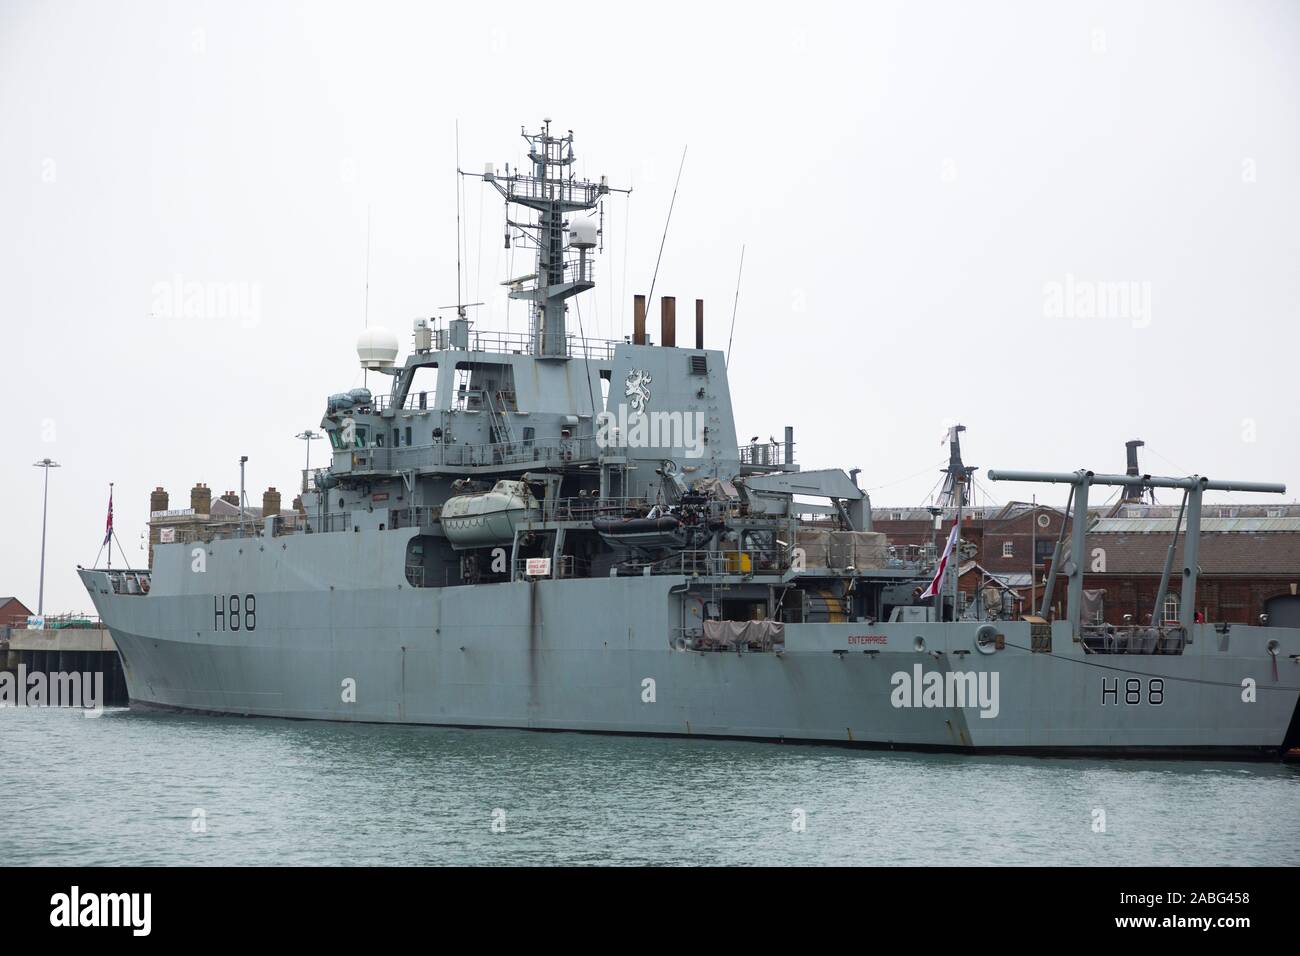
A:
(937, 583)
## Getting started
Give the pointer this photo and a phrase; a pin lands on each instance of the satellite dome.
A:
(582, 233)
(377, 348)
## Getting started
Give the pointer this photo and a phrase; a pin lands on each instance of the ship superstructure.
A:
(548, 531)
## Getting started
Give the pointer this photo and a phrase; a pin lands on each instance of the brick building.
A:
(13, 612)
(1250, 556)
(1008, 543)
(1248, 566)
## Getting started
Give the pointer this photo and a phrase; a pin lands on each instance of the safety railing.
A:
(550, 190)
(488, 454)
(415, 401)
(703, 563)
(520, 343)
(772, 453)
(129, 582)
(329, 522)
(1132, 639)
(591, 508)
(579, 270)
(419, 517)
(513, 343)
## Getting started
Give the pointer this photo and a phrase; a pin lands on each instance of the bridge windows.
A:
(422, 392)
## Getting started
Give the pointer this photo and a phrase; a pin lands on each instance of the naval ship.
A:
(551, 532)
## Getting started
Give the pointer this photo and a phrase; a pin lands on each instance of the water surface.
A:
(123, 789)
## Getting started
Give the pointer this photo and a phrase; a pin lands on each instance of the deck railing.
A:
(483, 455)
(773, 453)
(1132, 639)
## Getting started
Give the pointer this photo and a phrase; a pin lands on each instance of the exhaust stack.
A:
(1133, 494)
(638, 320)
(668, 321)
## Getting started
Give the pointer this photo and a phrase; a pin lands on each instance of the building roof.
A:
(1211, 509)
(1012, 509)
(1118, 511)
(913, 513)
(1009, 581)
(220, 508)
(1276, 553)
(1163, 525)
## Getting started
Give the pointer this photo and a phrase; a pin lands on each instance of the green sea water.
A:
(158, 789)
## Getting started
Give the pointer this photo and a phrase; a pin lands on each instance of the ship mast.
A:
(956, 484)
(552, 191)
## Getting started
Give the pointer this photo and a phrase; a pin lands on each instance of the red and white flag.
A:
(108, 526)
(937, 584)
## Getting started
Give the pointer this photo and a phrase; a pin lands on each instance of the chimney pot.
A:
(201, 499)
(668, 321)
(270, 502)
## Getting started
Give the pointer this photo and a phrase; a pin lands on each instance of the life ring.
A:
(986, 639)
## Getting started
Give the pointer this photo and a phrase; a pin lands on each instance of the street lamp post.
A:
(47, 464)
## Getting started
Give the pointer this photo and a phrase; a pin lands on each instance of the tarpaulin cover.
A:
(747, 632)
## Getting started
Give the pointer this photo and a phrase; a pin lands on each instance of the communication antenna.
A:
(458, 236)
(671, 203)
(460, 308)
(366, 307)
(735, 303)
(461, 239)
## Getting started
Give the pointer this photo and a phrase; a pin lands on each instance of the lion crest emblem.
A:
(638, 389)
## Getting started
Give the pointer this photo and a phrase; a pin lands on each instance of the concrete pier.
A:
(66, 650)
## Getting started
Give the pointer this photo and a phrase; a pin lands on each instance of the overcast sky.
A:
(929, 195)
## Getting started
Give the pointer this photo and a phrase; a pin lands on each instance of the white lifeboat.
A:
(488, 518)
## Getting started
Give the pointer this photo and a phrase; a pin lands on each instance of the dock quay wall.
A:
(65, 650)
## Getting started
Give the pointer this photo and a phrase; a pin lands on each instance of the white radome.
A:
(377, 348)
(582, 233)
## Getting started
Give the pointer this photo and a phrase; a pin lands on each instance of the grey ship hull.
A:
(577, 655)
